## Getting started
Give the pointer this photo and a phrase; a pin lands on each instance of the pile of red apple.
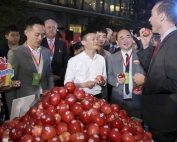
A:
(68, 114)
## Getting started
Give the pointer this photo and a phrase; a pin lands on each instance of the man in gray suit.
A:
(122, 91)
(31, 63)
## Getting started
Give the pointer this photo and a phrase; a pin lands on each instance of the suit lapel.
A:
(159, 48)
(28, 57)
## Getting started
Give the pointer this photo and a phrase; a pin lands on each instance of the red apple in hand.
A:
(99, 78)
(146, 32)
(136, 88)
(121, 75)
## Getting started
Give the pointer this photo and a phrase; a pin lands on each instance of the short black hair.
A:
(101, 29)
(136, 31)
(32, 21)
(86, 32)
(11, 28)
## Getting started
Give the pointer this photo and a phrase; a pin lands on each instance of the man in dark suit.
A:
(126, 98)
(31, 64)
(58, 52)
(159, 106)
(112, 47)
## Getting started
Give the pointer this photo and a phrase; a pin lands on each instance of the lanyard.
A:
(51, 49)
(37, 63)
(125, 65)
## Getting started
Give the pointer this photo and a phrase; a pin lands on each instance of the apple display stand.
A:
(20, 106)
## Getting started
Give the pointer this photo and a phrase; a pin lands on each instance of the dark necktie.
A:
(127, 70)
(111, 49)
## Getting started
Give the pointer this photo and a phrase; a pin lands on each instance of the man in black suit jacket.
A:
(159, 106)
(58, 50)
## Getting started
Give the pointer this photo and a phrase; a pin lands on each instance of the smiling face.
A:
(124, 40)
(35, 35)
(90, 42)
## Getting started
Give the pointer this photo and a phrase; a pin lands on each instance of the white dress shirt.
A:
(128, 96)
(81, 68)
(39, 68)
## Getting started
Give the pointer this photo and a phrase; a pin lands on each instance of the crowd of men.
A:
(43, 62)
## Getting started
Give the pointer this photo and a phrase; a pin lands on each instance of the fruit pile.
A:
(68, 114)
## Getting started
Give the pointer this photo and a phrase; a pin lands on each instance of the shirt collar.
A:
(86, 56)
(48, 40)
(38, 50)
(129, 52)
(167, 32)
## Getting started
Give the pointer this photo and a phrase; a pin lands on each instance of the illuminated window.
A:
(75, 28)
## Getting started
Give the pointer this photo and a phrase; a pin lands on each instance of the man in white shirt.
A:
(83, 68)
(123, 61)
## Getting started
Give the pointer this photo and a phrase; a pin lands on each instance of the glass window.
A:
(90, 5)
(117, 7)
(62, 1)
(106, 6)
(100, 6)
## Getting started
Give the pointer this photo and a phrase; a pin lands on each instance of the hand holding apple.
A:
(121, 78)
(99, 80)
(137, 90)
(145, 35)
(146, 32)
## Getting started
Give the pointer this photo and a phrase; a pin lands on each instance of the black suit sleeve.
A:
(145, 56)
(62, 70)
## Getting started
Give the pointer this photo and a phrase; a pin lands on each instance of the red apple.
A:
(92, 129)
(99, 119)
(48, 132)
(121, 75)
(55, 139)
(93, 138)
(86, 104)
(128, 137)
(37, 139)
(54, 99)
(79, 94)
(70, 99)
(36, 131)
(48, 119)
(62, 108)
(78, 137)
(104, 130)
(137, 88)
(62, 91)
(70, 86)
(85, 117)
(106, 108)
(68, 116)
(27, 138)
(74, 126)
(76, 108)
(99, 78)
(114, 135)
(51, 110)
(15, 134)
(146, 32)
(65, 137)
(61, 127)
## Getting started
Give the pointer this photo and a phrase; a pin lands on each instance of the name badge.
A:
(36, 79)
(127, 78)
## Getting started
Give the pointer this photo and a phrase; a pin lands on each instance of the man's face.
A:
(113, 39)
(125, 40)
(90, 42)
(13, 37)
(101, 38)
(155, 19)
(50, 29)
(35, 35)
